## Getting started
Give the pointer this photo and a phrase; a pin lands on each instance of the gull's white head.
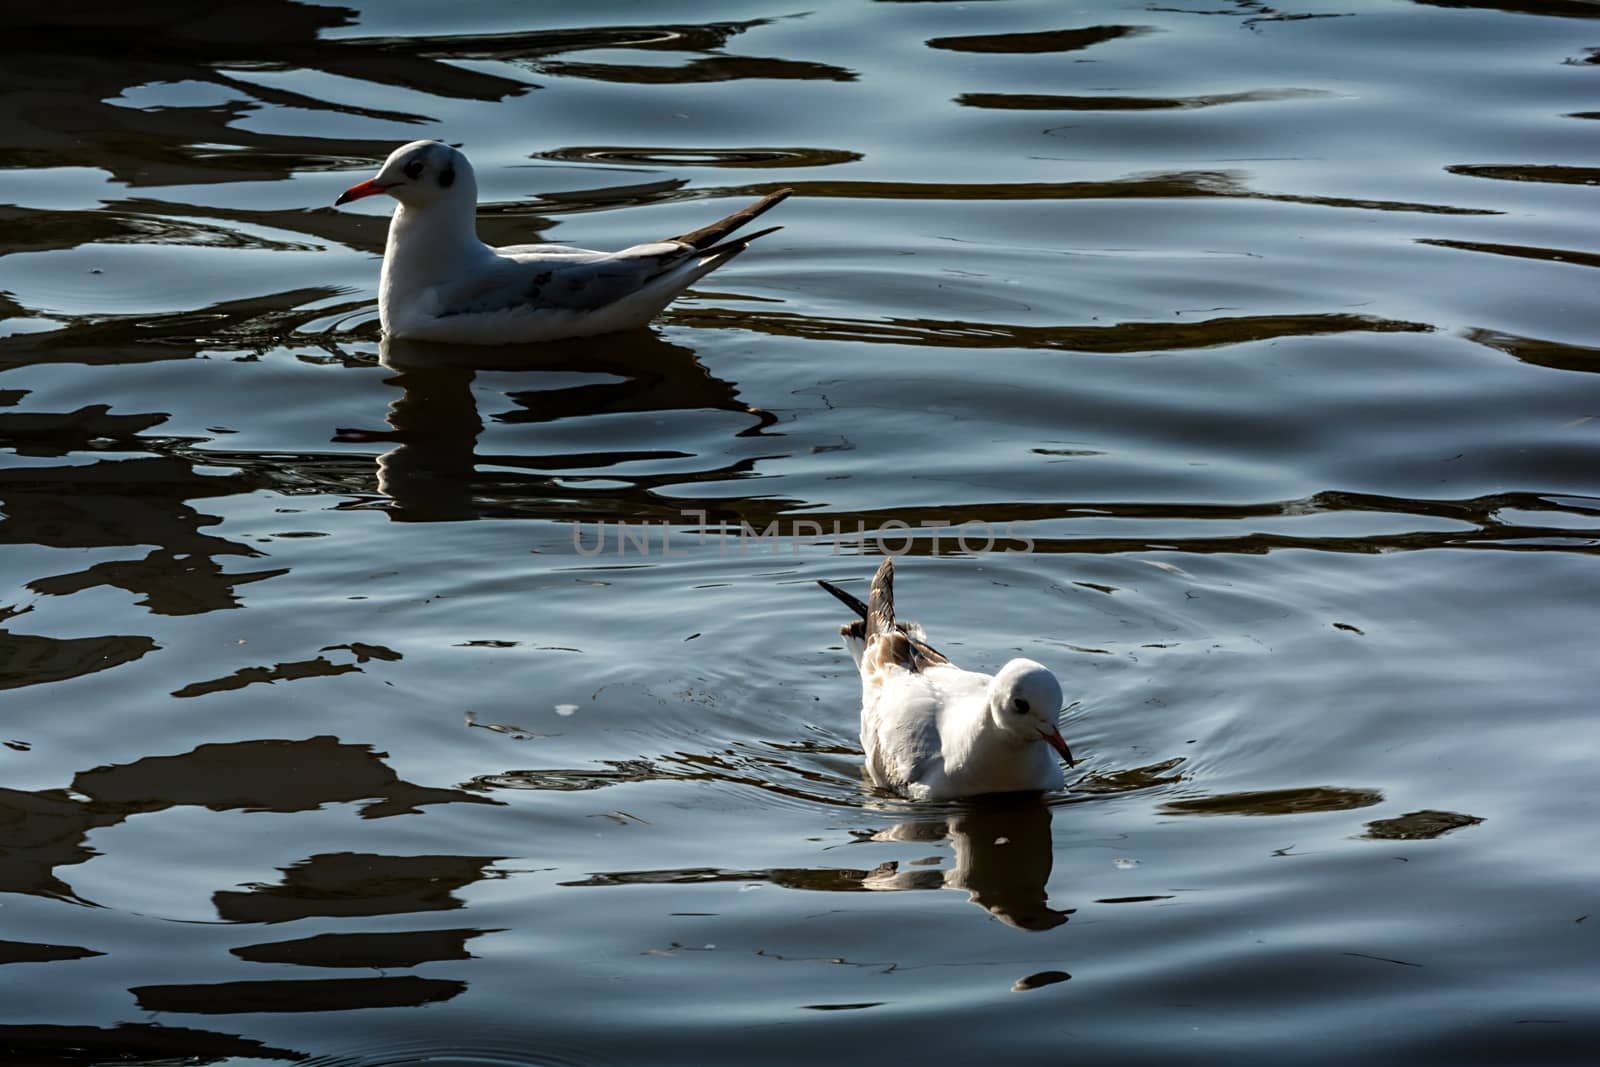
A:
(1025, 702)
(420, 174)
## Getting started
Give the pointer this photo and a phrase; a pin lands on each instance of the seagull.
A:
(933, 731)
(440, 283)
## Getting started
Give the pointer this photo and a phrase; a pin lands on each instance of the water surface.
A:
(1238, 361)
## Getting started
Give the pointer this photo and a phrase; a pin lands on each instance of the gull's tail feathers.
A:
(908, 644)
(880, 602)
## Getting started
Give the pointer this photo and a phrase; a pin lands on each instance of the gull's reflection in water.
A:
(1003, 858)
(435, 471)
(1002, 846)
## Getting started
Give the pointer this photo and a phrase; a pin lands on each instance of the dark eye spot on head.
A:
(414, 169)
(1020, 706)
(447, 177)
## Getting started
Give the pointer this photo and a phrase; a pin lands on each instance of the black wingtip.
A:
(849, 601)
(707, 236)
(736, 245)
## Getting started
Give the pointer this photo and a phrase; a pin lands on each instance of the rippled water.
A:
(1236, 360)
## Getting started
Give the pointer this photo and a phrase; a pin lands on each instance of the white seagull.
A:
(933, 731)
(440, 283)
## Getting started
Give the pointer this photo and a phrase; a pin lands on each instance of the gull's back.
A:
(912, 724)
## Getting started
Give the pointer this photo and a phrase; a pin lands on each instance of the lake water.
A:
(382, 704)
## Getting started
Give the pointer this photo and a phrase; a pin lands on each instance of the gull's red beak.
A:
(356, 192)
(1059, 743)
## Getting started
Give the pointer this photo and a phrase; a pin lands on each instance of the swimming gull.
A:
(933, 731)
(440, 283)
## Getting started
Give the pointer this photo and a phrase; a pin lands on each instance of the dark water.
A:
(1265, 338)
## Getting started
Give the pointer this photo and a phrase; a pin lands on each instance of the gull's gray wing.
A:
(568, 280)
(562, 278)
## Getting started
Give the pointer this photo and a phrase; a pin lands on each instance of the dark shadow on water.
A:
(131, 503)
(34, 952)
(1549, 255)
(1277, 802)
(297, 995)
(248, 326)
(1528, 172)
(1049, 102)
(50, 435)
(1038, 42)
(1419, 825)
(133, 1044)
(1556, 355)
(402, 948)
(1127, 780)
(664, 156)
(345, 884)
(47, 829)
(31, 659)
(1564, 9)
(701, 70)
(1121, 338)
(286, 671)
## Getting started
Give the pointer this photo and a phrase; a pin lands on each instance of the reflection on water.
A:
(1003, 858)
(130, 502)
(28, 952)
(1277, 802)
(251, 324)
(47, 829)
(702, 157)
(131, 1043)
(302, 994)
(1041, 41)
(1123, 337)
(431, 473)
(346, 884)
(1039, 102)
(1419, 825)
(1206, 184)
(406, 948)
(26, 659)
(1551, 354)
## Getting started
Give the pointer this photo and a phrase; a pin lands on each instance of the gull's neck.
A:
(991, 755)
(430, 245)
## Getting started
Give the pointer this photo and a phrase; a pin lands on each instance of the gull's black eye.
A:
(1019, 706)
(414, 169)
